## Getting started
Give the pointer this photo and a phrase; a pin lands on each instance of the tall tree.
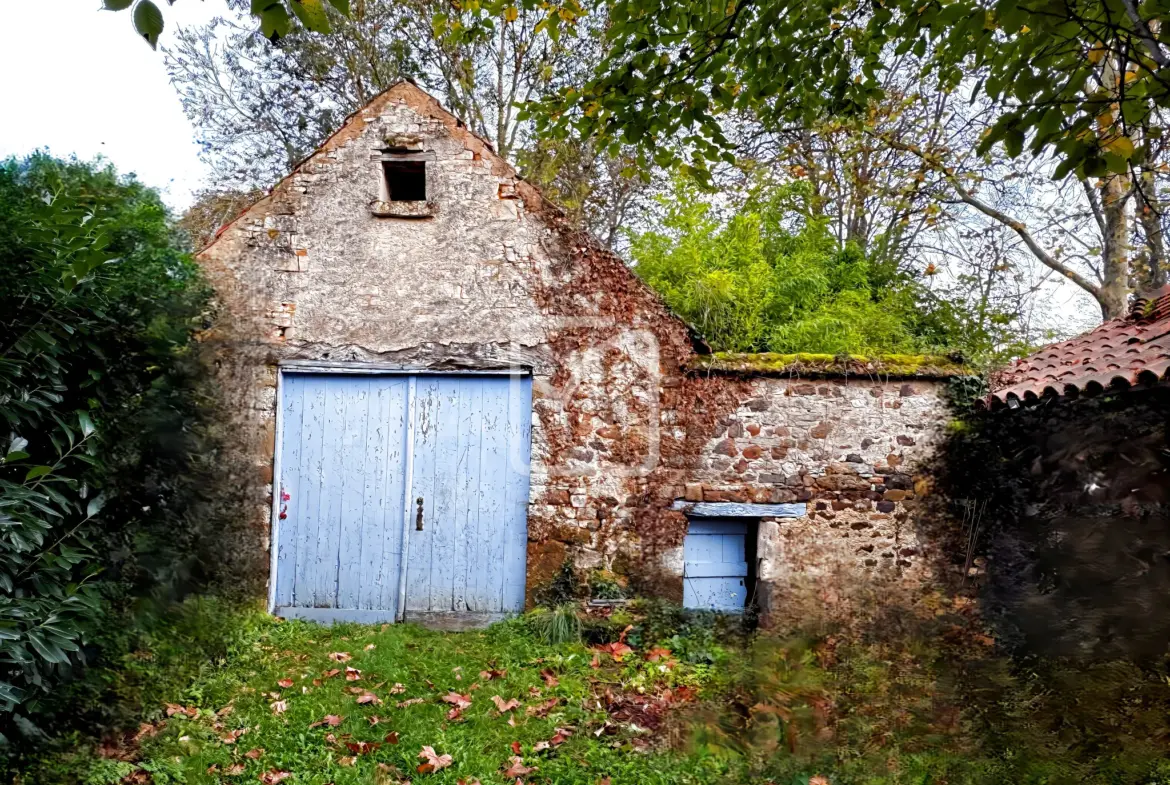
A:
(1083, 81)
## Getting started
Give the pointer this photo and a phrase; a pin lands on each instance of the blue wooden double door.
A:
(401, 496)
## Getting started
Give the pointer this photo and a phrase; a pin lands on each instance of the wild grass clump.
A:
(557, 625)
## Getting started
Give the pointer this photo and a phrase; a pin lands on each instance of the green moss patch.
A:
(920, 366)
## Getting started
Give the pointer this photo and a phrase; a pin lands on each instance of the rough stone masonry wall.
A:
(854, 450)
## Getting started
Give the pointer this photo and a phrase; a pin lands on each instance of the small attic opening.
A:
(405, 180)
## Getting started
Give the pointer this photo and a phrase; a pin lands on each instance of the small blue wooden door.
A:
(715, 565)
(357, 455)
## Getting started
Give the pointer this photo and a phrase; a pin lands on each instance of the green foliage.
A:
(98, 392)
(605, 585)
(772, 278)
(563, 588)
(672, 72)
(273, 16)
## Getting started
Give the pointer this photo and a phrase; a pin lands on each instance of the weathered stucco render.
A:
(490, 276)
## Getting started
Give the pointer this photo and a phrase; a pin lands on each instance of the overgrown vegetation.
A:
(103, 458)
(771, 277)
(655, 695)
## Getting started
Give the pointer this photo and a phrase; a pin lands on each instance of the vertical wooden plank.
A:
(408, 475)
(308, 500)
(441, 518)
(381, 521)
(324, 570)
(353, 487)
(418, 578)
(467, 490)
(516, 510)
(289, 481)
(492, 492)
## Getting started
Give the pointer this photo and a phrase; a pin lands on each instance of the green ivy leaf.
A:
(116, 5)
(340, 5)
(148, 21)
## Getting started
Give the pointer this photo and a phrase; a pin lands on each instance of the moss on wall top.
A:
(930, 366)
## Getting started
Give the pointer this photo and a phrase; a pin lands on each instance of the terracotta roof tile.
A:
(1129, 350)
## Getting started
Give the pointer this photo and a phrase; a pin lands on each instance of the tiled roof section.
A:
(1130, 350)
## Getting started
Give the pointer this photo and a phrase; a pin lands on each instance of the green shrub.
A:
(104, 465)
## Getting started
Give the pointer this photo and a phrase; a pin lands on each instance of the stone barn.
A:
(439, 392)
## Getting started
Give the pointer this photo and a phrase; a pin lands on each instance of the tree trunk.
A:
(1114, 253)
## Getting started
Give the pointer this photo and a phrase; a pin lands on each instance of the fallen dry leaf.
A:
(373, 719)
(255, 753)
(817, 779)
(340, 656)
(518, 769)
(515, 748)
(540, 746)
(492, 674)
(457, 700)
(286, 683)
(549, 677)
(541, 709)
(368, 697)
(595, 662)
(370, 647)
(410, 702)
(234, 770)
(273, 776)
(560, 737)
(231, 736)
(348, 760)
(332, 720)
(455, 714)
(362, 747)
(616, 650)
(392, 737)
(187, 711)
(331, 673)
(433, 762)
(279, 707)
(658, 653)
(397, 689)
(503, 706)
(352, 674)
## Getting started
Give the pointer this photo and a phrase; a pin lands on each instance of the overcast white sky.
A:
(80, 81)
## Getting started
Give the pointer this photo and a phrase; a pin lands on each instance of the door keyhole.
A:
(418, 518)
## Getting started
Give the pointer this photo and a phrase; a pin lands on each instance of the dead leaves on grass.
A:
(273, 776)
(340, 656)
(332, 720)
(433, 762)
(518, 769)
(504, 706)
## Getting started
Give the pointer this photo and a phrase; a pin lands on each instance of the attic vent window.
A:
(406, 181)
(402, 189)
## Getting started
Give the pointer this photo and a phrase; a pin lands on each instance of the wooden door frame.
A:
(324, 367)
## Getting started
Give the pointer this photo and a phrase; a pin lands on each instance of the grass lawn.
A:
(358, 704)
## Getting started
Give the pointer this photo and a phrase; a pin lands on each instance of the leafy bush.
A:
(104, 464)
(770, 276)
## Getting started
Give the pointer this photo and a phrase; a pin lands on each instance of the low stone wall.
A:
(854, 451)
